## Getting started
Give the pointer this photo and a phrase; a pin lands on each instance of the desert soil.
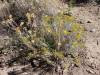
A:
(89, 16)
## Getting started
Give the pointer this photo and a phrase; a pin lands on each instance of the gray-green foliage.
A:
(47, 38)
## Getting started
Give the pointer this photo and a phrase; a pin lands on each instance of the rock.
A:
(92, 30)
(97, 42)
(90, 71)
(88, 21)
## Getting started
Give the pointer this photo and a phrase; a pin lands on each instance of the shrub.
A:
(51, 42)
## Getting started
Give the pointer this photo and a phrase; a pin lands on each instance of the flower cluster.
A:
(53, 41)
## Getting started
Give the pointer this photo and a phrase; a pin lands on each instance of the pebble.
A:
(90, 71)
(97, 42)
(88, 21)
(93, 30)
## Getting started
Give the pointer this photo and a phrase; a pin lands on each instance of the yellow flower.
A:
(30, 55)
(45, 51)
(75, 44)
(59, 43)
(22, 23)
(46, 19)
(66, 32)
(28, 15)
(68, 18)
(10, 16)
(49, 30)
(18, 30)
(58, 54)
(33, 15)
(77, 61)
(32, 41)
(75, 27)
(78, 36)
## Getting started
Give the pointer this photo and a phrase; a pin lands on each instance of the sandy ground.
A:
(90, 18)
